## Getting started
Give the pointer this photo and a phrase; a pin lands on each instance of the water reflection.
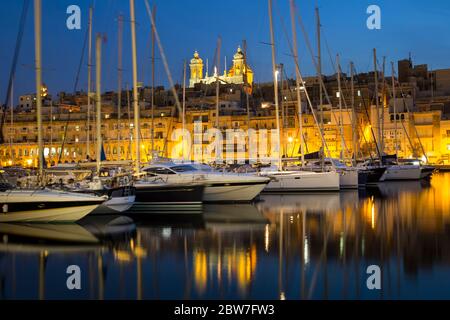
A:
(296, 246)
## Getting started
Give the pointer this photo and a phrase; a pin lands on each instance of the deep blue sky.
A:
(419, 27)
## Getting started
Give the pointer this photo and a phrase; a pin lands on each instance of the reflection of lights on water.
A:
(166, 232)
(373, 215)
(200, 270)
(363, 247)
(266, 238)
(291, 219)
(341, 244)
(306, 251)
(282, 295)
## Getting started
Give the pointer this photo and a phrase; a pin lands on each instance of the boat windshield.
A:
(183, 168)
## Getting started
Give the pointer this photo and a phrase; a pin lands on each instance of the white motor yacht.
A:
(219, 186)
(301, 181)
(44, 205)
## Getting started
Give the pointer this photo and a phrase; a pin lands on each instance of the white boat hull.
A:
(230, 193)
(402, 172)
(45, 205)
(67, 214)
(348, 179)
(303, 181)
(119, 204)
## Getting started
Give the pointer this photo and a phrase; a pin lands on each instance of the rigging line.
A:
(367, 112)
(81, 61)
(413, 122)
(307, 95)
(322, 32)
(163, 56)
(12, 72)
(321, 82)
(348, 112)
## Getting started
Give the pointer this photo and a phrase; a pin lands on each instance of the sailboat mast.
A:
(247, 100)
(283, 118)
(297, 80)
(98, 75)
(319, 72)
(11, 101)
(135, 88)
(119, 87)
(37, 50)
(88, 123)
(183, 116)
(354, 119)
(275, 84)
(376, 100)
(153, 83)
(219, 43)
(341, 122)
(395, 109)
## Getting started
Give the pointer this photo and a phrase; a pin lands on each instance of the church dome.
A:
(196, 59)
(239, 54)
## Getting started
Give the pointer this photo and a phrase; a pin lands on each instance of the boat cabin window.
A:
(183, 168)
(159, 170)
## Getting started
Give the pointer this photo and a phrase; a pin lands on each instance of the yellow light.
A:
(290, 139)
(10, 162)
(29, 162)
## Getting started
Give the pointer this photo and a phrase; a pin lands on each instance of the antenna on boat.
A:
(98, 76)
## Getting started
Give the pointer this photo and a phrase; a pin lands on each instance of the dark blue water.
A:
(303, 246)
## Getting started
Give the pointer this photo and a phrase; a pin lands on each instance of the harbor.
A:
(207, 179)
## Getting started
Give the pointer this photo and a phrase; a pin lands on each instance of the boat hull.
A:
(229, 192)
(303, 182)
(426, 172)
(45, 205)
(348, 179)
(48, 215)
(400, 172)
(169, 194)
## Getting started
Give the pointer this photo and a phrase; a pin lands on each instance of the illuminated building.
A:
(239, 73)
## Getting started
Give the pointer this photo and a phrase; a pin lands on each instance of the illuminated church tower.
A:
(239, 73)
(196, 67)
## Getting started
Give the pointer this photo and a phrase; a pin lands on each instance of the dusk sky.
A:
(419, 27)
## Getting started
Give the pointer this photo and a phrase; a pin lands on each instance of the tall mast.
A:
(383, 95)
(275, 84)
(153, 83)
(37, 50)
(247, 100)
(217, 71)
(183, 116)
(88, 134)
(135, 88)
(354, 119)
(376, 100)
(297, 80)
(395, 109)
(283, 118)
(119, 86)
(319, 71)
(130, 134)
(98, 93)
(11, 101)
(50, 158)
(341, 122)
